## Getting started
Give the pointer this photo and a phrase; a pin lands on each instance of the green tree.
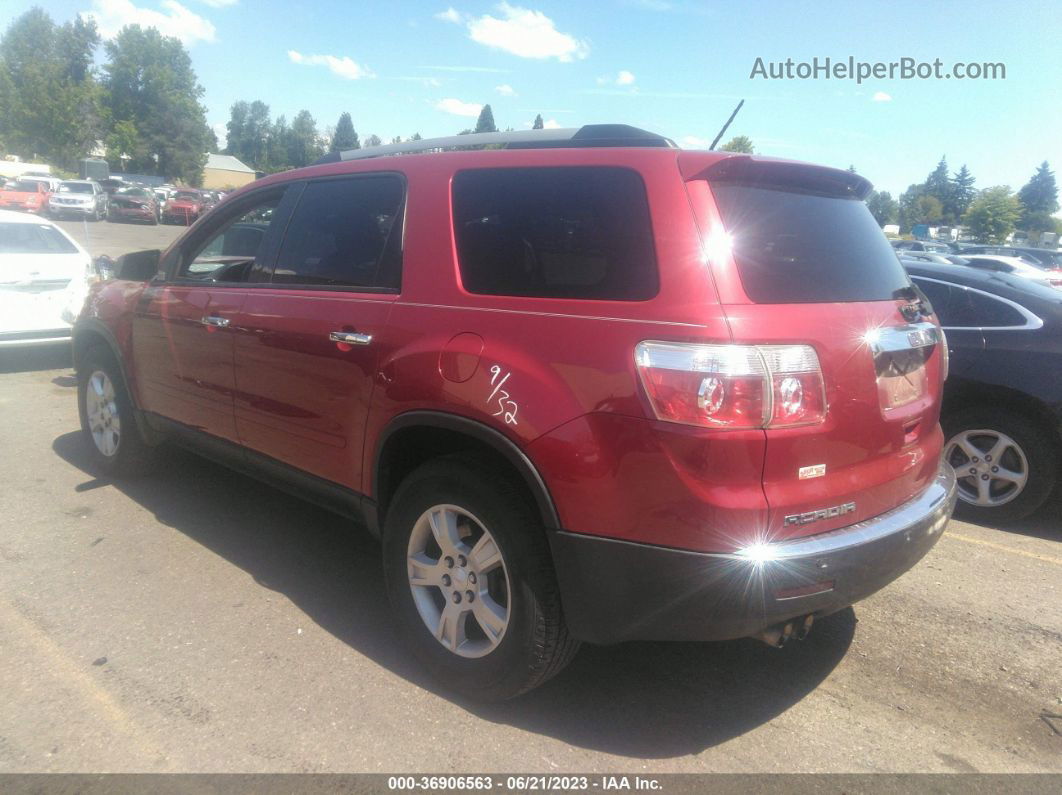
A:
(883, 207)
(939, 186)
(962, 193)
(739, 143)
(416, 137)
(993, 215)
(908, 214)
(49, 97)
(928, 210)
(122, 143)
(149, 81)
(539, 124)
(1039, 196)
(373, 140)
(485, 122)
(277, 157)
(303, 147)
(345, 136)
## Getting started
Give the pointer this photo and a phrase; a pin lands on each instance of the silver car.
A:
(82, 198)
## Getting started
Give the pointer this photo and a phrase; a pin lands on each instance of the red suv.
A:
(585, 386)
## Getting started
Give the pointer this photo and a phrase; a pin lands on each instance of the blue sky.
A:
(671, 66)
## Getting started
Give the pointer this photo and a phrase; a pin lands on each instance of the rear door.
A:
(799, 260)
(306, 355)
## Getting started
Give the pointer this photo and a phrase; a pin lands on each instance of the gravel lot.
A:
(195, 620)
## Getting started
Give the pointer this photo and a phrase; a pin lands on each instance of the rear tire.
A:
(1022, 471)
(108, 422)
(510, 636)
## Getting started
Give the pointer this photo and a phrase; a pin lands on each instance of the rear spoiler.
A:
(789, 175)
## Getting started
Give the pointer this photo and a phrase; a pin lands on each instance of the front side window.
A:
(235, 251)
(345, 233)
(579, 232)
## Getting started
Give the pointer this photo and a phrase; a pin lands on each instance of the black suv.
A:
(1002, 414)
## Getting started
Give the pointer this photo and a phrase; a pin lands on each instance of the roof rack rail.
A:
(586, 136)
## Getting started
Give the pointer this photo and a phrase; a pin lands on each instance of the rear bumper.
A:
(615, 591)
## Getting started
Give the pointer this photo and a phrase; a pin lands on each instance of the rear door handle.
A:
(350, 337)
(211, 320)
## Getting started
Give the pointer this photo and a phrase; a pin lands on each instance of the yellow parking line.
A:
(1003, 547)
(57, 662)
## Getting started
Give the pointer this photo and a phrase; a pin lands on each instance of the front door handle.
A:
(211, 320)
(350, 337)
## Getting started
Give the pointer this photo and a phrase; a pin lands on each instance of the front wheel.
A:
(471, 582)
(107, 421)
(1005, 464)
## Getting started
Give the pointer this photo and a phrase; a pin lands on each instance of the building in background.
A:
(225, 171)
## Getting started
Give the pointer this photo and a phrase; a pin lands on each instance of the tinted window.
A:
(802, 247)
(975, 310)
(555, 233)
(33, 239)
(939, 296)
(344, 232)
(75, 187)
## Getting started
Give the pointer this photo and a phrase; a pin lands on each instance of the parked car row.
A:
(112, 199)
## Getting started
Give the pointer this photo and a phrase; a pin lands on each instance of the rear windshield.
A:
(575, 232)
(807, 248)
(33, 239)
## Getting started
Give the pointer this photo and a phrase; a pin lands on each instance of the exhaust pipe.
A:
(780, 634)
(776, 636)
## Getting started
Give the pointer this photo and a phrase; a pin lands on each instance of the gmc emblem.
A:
(818, 516)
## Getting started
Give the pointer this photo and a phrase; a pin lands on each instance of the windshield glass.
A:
(25, 186)
(805, 247)
(33, 239)
(75, 187)
(184, 194)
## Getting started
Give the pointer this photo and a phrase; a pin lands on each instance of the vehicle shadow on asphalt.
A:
(646, 700)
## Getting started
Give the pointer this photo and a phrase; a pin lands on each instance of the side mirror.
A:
(139, 266)
(105, 267)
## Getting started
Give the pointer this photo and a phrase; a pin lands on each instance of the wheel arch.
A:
(417, 436)
(980, 395)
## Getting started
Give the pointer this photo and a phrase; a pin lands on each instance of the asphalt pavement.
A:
(194, 620)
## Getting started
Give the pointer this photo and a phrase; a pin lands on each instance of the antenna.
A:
(725, 126)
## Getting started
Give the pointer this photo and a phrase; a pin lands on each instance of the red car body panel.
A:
(570, 395)
(28, 201)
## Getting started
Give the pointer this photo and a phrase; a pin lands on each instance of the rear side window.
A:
(795, 247)
(344, 233)
(555, 233)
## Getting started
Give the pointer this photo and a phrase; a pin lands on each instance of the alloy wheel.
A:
(459, 581)
(990, 466)
(102, 412)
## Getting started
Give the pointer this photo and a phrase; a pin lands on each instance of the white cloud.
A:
(344, 67)
(458, 108)
(175, 20)
(526, 33)
(550, 124)
(505, 90)
(622, 78)
(449, 15)
(220, 3)
(694, 142)
(881, 96)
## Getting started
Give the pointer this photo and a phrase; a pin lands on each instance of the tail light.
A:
(733, 386)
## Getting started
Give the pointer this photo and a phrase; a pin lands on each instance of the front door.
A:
(183, 326)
